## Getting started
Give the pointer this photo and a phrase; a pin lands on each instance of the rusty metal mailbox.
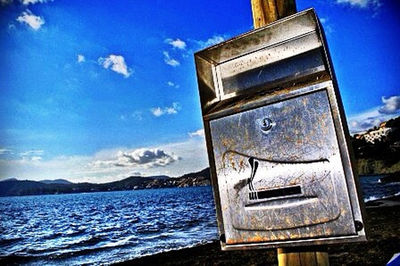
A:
(277, 138)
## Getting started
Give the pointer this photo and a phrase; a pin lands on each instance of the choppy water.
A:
(373, 189)
(104, 227)
(107, 227)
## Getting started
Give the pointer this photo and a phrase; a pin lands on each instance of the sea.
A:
(109, 227)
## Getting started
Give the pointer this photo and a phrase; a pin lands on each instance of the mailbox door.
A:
(279, 172)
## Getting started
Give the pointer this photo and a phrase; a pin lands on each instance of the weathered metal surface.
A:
(276, 138)
(294, 163)
(287, 50)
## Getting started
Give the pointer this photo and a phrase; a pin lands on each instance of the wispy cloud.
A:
(210, 41)
(159, 111)
(391, 105)
(117, 64)
(33, 21)
(36, 158)
(32, 152)
(373, 117)
(361, 3)
(32, 155)
(178, 43)
(81, 58)
(5, 151)
(197, 133)
(136, 115)
(326, 25)
(27, 2)
(172, 84)
(169, 60)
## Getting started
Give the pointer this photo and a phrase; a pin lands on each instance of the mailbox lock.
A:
(266, 124)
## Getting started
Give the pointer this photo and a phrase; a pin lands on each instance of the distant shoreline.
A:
(30, 188)
(9, 188)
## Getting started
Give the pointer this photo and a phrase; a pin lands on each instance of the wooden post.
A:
(265, 12)
(309, 256)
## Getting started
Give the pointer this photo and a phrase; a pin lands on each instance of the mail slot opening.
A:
(273, 193)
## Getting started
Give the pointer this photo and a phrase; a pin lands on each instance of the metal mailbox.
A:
(277, 138)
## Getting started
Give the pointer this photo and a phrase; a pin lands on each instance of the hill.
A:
(13, 187)
(381, 156)
(55, 181)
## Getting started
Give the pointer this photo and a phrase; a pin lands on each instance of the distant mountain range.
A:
(56, 181)
(14, 187)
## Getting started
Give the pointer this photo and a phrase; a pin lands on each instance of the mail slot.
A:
(277, 139)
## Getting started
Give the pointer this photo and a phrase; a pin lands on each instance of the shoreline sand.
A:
(383, 229)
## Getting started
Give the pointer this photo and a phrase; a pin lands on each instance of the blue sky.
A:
(100, 90)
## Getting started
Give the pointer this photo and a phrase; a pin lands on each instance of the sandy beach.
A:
(383, 227)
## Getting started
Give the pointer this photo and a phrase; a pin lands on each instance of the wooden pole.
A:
(265, 12)
(309, 256)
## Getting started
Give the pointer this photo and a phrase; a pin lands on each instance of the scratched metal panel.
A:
(280, 173)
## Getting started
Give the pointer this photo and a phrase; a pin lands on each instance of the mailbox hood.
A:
(285, 51)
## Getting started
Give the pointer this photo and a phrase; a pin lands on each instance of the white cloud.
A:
(117, 64)
(170, 61)
(5, 151)
(169, 110)
(197, 133)
(370, 118)
(31, 153)
(172, 84)
(36, 158)
(174, 159)
(157, 111)
(176, 43)
(27, 2)
(326, 25)
(27, 17)
(136, 115)
(391, 105)
(211, 41)
(144, 157)
(81, 58)
(361, 3)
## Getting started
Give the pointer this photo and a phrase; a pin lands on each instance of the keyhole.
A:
(266, 124)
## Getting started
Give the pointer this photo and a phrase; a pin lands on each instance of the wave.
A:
(374, 198)
(66, 252)
(8, 241)
(162, 250)
(84, 251)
